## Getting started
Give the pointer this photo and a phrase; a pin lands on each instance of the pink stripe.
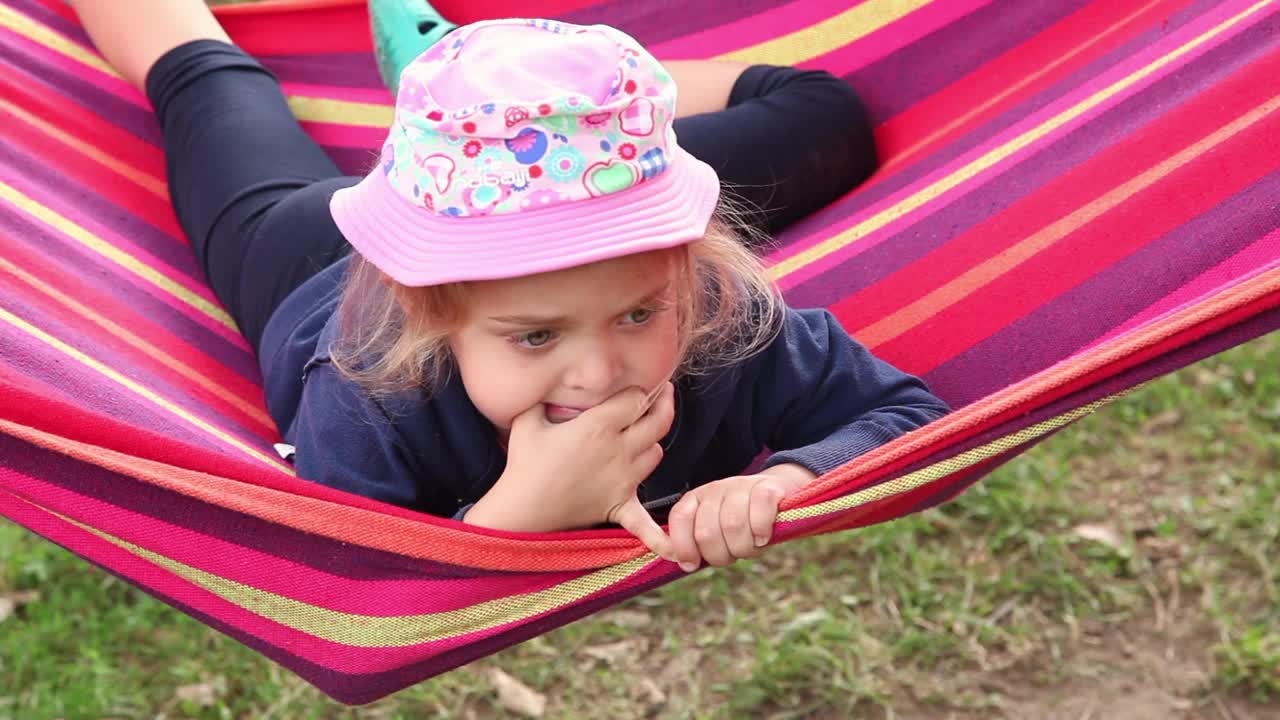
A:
(751, 30)
(340, 657)
(372, 96)
(108, 83)
(55, 203)
(1114, 74)
(1257, 258)
(893, 37)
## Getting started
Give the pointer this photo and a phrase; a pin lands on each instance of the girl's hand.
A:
(731, 519)
(582, 472)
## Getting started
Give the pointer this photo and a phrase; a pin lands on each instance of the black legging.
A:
(252, 190)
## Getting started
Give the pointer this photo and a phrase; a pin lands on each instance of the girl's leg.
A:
(789, 143)
(249, 187)
(133, 35)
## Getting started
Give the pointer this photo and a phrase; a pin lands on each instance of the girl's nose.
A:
(597, 369)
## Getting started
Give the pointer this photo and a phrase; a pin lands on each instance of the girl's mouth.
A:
(560, 413)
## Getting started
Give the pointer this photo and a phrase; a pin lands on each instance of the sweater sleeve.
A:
(790, 142)
(821, 399)
(346, 440)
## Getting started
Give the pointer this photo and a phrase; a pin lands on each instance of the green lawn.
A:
(1134, 552)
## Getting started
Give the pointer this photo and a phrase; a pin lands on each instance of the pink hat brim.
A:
(417, 247)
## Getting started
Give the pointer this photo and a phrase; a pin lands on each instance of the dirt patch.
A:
(1137, 671)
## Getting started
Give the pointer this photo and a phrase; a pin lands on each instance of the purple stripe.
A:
(374, 686)
(38, 12)
(174, 252)
(652, 22)
(1090, 310)
(940, 157)
(37, 362)
(354, 70)
(361, 688)
(907, 76)
(1169, 361)
(103, 276)
(314, 551)
(356, 162)
(1034, 171)
(135, 119)
(120, 402)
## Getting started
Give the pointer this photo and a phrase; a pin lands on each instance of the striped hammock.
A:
(1077, 197)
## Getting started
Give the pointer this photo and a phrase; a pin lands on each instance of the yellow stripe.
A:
(977, 277)
(136, 388)
(306, 108)
(963, 461)
(927, 194)
(830, 34)
(52, 219)
(374, 631)
(344, 112)
(137, 342)
(42, 34)
(146, 180)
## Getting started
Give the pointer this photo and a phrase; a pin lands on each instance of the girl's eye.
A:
(639, 316)
(536, 338)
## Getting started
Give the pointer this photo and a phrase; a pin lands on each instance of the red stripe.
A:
(303, 28)
(1221, 172)
(955, 100)
(465, 11)
(277, 28)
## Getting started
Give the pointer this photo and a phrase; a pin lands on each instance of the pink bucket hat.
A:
(525, 146)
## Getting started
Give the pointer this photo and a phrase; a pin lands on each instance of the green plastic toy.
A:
(402, 30)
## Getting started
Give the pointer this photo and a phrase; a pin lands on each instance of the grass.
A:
(1148, 531)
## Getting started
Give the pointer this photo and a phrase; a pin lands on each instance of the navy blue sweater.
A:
(814, 395)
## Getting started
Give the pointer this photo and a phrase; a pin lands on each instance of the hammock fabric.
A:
(1077, 197)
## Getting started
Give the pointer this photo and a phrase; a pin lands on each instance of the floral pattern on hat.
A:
(502, 155)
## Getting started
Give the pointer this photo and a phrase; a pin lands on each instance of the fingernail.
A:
(688, 567)
(762, 541)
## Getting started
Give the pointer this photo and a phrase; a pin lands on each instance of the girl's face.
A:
(568, 340)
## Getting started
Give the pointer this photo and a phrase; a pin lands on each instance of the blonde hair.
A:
(394, 337)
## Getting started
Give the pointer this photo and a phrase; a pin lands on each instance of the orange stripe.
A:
(956, 290)
(253, 411)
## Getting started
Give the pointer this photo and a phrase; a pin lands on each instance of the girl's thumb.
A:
(534, 417)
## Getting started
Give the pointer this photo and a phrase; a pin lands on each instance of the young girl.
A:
(531, 314)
